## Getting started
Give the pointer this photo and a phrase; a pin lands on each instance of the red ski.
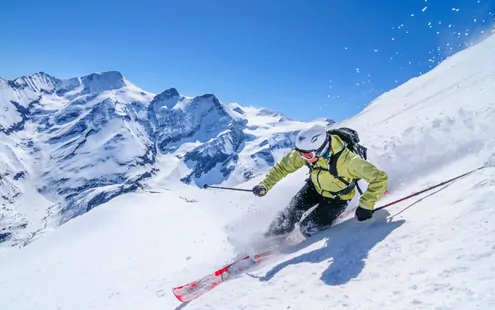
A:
(193, 290)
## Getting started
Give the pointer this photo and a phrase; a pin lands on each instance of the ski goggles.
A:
(307, 155)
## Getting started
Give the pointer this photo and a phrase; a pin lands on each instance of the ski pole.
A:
(428, 189)
(228, 188)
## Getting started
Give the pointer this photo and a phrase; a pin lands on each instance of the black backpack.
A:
(351, 141)
(351, 138)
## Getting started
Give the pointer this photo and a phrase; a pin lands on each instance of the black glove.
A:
(259, 190)
(363, 214)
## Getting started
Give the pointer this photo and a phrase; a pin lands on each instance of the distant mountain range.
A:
(67, 146)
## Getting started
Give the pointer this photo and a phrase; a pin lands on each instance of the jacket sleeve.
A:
(289, 163)
(377, 179)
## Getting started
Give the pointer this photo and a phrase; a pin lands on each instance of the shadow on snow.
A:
(347, 246)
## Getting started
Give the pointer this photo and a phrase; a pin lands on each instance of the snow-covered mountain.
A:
(77, 143)
(432, 251)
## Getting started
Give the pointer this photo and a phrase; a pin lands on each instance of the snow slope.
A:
(435, 251)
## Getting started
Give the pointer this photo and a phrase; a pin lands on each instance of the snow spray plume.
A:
(432, 187)
(228, 188)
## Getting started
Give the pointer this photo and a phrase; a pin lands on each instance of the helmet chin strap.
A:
(326, 150)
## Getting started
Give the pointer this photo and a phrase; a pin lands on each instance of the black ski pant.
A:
(326, 212)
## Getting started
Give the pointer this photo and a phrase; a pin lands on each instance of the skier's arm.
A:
(290, 163)
(377, 179)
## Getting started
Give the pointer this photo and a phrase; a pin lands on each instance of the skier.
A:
(315, 148)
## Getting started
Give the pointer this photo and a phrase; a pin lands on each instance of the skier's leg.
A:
(323, 216)
(285, 221)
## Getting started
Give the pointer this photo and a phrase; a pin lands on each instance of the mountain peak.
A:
(43, 74)
(170, 93)
(166, 99)
(102, 81)
(39, 81)
(114, 76)
(211, 97)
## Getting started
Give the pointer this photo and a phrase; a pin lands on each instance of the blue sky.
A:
(308, 59)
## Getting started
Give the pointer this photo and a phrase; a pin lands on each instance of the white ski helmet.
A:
(313, 139)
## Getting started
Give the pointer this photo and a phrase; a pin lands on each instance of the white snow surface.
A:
(433, 251)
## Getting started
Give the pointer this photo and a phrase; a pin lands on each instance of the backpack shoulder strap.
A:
(332, 166)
